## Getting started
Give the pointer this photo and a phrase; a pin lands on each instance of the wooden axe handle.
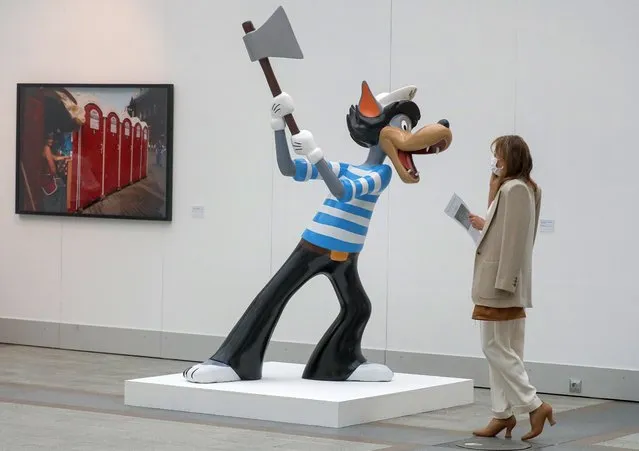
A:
(272, 81)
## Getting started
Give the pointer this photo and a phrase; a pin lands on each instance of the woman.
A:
(502, 286)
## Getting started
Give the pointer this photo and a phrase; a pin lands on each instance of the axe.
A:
(274, 39)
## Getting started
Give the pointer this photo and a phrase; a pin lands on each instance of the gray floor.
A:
(65, 400)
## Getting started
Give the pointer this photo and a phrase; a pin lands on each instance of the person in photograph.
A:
(501, 289)
(52, 181)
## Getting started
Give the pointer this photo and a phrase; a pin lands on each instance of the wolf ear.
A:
(368, 106)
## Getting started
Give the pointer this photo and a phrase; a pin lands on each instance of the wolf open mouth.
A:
(406, 158)
(400, 146)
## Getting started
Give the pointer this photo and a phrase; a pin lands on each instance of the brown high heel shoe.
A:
(497, 425)
(538, 418)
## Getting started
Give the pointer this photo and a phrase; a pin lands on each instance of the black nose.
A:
(444, 122)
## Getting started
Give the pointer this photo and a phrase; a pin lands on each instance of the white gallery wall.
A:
(563, 74)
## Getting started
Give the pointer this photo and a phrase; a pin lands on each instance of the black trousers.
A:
(338, 353)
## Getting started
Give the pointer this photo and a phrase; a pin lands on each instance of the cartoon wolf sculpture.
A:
(333, 241)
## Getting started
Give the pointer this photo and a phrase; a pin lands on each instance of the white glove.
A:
(304, 144)
(281, 106)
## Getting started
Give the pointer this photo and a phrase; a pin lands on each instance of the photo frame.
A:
(95, 150)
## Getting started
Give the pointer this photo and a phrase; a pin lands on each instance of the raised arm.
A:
(284, 161)
(282, 105)
(304, 144)
(343, 185)
(313, 168)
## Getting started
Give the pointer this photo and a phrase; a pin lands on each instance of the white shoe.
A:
(210, 372)
(372, 372)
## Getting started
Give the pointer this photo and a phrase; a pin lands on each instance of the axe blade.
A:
(274, 39)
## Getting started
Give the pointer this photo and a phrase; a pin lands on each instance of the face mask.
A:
(493, 166)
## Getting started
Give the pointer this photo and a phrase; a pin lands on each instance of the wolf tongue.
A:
(411, 163)
(407, 160)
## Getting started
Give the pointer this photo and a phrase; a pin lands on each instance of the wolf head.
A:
(388, 121)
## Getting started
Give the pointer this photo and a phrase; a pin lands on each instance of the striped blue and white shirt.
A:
(342, 224)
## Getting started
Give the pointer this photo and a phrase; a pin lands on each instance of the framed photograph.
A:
(95, 150)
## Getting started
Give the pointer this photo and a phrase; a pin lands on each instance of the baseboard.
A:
(606, 383)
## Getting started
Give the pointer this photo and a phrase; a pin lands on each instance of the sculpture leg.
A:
(338, 356)
(241, 355)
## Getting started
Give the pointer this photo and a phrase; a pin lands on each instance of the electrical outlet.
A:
(575, 386)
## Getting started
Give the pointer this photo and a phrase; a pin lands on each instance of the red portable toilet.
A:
(137, 150)
(145, 150)
(126, 141)
(88, 159)
(111, 153)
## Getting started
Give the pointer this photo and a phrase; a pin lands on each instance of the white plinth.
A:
(283, 396)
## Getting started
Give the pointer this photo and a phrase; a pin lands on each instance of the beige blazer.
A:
(503, 261)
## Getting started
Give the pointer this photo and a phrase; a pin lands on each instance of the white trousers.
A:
(510, 389)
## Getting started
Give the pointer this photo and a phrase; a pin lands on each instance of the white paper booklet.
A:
(460, 213)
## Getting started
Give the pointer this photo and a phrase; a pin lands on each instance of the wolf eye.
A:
(404, 125)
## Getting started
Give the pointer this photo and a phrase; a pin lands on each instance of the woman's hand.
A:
(476, 221)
